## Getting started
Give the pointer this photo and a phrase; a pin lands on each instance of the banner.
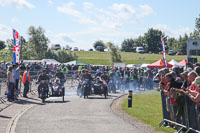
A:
(16, 48)
(164, 53)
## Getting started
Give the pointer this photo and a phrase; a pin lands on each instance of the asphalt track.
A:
(75, 115)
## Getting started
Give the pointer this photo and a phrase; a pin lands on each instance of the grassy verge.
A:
(4, 58)
(103, 58)
(147, 108)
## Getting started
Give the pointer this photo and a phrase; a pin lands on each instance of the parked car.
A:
(179, 53)
(90, 49)
(67, 47)
(140, 50)
(100, 48)
(171, 52)
(55, 46)
(75, 48)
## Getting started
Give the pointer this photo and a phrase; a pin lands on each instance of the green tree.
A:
(115, 56)
(37, 41)
(2, 45)
(10, 44)
(25, 50)
(153, 40)
(172, 44)
(66, 56)
(140, 42)
(182, 43)
(197, 24)
(49, 54)
(99, 43)
(127, 45)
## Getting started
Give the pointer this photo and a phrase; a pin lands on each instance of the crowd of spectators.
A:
(180, 89)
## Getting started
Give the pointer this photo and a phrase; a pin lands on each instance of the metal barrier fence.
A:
(3, 86)
(71, 78)
(184, 116)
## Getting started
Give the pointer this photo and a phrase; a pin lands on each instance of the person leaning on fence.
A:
(191, 105)
(194, 95)
(11, 82)
(26, 81)
(171, 104)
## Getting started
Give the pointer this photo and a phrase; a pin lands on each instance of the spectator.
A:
(17, 78)
(197, 70)
(195, 97)
(171, 83)
(26, 81)
(10, 91)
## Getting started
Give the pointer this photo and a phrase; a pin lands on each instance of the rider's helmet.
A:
(57, 80)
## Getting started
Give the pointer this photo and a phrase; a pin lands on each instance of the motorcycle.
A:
(58, 89)
(43, 90)
(100, 89)
(85, 88)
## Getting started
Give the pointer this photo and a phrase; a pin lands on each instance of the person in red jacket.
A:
(26, 81)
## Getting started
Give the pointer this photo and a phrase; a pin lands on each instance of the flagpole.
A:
(16, 48)
(164, 53)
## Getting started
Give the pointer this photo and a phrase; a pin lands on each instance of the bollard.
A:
(130, 98)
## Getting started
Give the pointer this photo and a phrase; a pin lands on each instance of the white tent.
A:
(132, 66)
(144, 65)
(50, 61)
(75, 62)
(174, 63)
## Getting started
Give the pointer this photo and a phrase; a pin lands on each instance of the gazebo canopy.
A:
(183, 62)
(50, 61)
(75, 62)
(174, 63)
(159, 64)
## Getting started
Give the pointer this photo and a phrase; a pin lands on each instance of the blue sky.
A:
(80, 23)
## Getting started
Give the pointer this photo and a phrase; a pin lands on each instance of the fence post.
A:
(130, 98)
(187, 122)
(0, 89)
(163, 100)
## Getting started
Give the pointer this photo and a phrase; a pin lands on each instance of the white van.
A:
(140, 50)
(55, 46)
(67, 47)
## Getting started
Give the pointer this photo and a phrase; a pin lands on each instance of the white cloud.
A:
(50, 2)
(65, 37)
(5, 32)
(88, 5)
(123, 11)
(173, 32)
(106, 24)
(145, 10)
(15, 20)
(17, 3)
(68, 9)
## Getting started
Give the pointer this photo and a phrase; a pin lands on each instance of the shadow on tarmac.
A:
(21, 101)
(93, 97)
(56, 102)
(6, 117)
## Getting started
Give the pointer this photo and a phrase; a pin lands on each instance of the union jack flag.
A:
(16, 48)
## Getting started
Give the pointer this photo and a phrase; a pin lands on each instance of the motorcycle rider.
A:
(43, 76)
(105, 77)
(60, 75)
(112, 84)
(99, 83)
(88, 76)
